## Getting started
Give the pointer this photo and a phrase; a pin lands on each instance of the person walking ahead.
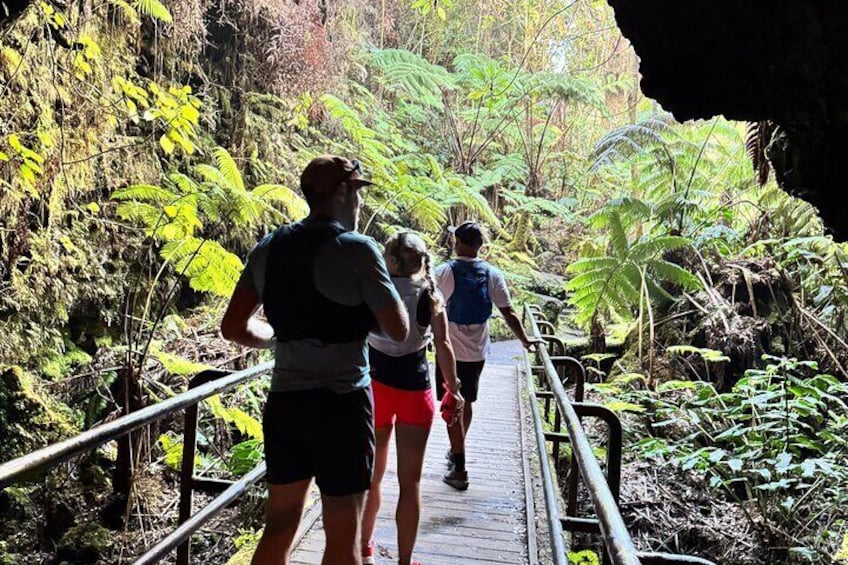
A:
(471, 286)
(402, 394)
(323, 288)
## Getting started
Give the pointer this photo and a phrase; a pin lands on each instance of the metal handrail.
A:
(16, 469)
(616, 538)
(181, 535)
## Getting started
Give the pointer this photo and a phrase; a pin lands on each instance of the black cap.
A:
(469, 233)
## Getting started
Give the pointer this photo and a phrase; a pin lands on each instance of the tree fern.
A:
(518, 202)
(411, 74)
(181, 212)
(625, 142)
(207, 265)
(563, 87)
(610, 285)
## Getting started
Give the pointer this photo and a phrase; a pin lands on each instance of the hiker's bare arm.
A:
(239, 323)
(393, 321)
(444, 352)
(514, 323)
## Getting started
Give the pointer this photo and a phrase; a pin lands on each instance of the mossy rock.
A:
(60, 365)
(84, 543)
(29, 418)
(16, 504)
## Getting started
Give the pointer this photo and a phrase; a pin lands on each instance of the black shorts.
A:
(321, 434)
(407, 372)
(468, 373)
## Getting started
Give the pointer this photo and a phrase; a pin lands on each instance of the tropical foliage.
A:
(145, 145)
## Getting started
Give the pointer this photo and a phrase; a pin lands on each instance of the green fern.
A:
(177, 365)
(155, 9)
(207, 265)
(172, 446)
(611, 285)
(146, 193)
(244, 422)
(563, 87)
(645, 137)
(412, 75)
(787, 216)
(294, 205)
(128, 11)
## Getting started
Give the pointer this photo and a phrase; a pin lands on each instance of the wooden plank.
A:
(487, 523)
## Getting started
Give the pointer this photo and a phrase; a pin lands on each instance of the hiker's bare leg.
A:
(411, 444)
(374, 498)
(342, 517)
(282, 517)
(467, 412)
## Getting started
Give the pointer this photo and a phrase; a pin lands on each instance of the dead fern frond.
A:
(757, 138)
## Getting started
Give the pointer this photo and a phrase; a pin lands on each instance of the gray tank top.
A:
(411, 291)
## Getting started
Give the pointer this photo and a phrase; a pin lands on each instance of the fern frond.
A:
(228, 168)
(675, 274)
(184, 183)
(429, 214)
(618, 236)
(349, 119)
(244, 422)
(146, 193)
(412, 74)
(129, 12)
(588, 264)
(207, 265)
(141, 212)
(296, 207)
(180, 366)
(636, 139)
(212, 175)
(183, 221)
(757, 138)
(653, 246)
(565, 87)
(155, 9)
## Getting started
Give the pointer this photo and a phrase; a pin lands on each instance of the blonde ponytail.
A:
(435, 298)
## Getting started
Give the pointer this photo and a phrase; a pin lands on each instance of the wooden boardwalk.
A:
(487, 523)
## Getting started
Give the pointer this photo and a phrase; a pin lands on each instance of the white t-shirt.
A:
(471, 342)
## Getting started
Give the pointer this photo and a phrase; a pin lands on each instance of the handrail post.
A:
(189, 452)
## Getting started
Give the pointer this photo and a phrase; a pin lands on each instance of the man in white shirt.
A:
(471, 286)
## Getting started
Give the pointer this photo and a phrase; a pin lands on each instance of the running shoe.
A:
(456, 479)
(368, 554)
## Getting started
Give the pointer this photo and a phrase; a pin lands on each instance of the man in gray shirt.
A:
(323, 288)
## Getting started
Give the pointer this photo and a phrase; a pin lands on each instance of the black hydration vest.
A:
(294, 306)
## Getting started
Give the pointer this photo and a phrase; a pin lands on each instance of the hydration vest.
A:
(470, 302)
(294, 306)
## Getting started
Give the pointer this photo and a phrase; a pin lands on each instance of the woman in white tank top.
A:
(403, 398)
